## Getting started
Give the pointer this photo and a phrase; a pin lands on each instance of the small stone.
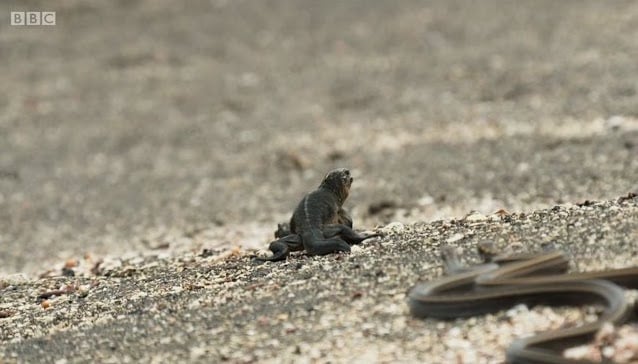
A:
(289, 328)
(71, 263)
(6, 313)
(608, 351)
(474, 216)
(282, 317)
(68, 272)
(198, 352)
(425, 200)
(455, 332)
(615, 122)
(517, 310)
(583, 352)
(263, 320)
(356, 249)
(454, 238)
(393, 227)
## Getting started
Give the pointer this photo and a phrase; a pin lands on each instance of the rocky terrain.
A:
(148, 149)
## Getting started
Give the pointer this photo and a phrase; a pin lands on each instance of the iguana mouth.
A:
(348, 182)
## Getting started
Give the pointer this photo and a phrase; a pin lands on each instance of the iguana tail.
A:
(280, 251)
(281, 247)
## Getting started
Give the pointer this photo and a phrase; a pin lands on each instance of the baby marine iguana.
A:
(319, 225)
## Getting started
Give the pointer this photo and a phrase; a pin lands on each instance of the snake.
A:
(529, 278)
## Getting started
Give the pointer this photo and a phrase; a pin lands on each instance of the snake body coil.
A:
(529, 279)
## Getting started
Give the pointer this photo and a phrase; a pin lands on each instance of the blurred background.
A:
(155, 125)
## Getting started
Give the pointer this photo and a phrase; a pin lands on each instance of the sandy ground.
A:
(137, 130)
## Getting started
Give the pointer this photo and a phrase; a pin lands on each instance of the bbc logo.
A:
(33, 18)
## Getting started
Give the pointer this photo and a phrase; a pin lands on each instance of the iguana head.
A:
(339, 182)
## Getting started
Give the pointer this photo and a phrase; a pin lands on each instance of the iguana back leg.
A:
(345, 233)
(283, 229)
(324, 246)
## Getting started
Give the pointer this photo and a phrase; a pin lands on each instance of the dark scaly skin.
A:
(319, 224)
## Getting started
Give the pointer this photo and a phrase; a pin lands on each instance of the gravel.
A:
(225, 306)
(147, 149)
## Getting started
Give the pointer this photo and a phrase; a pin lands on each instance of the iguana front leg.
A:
(344, 218)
